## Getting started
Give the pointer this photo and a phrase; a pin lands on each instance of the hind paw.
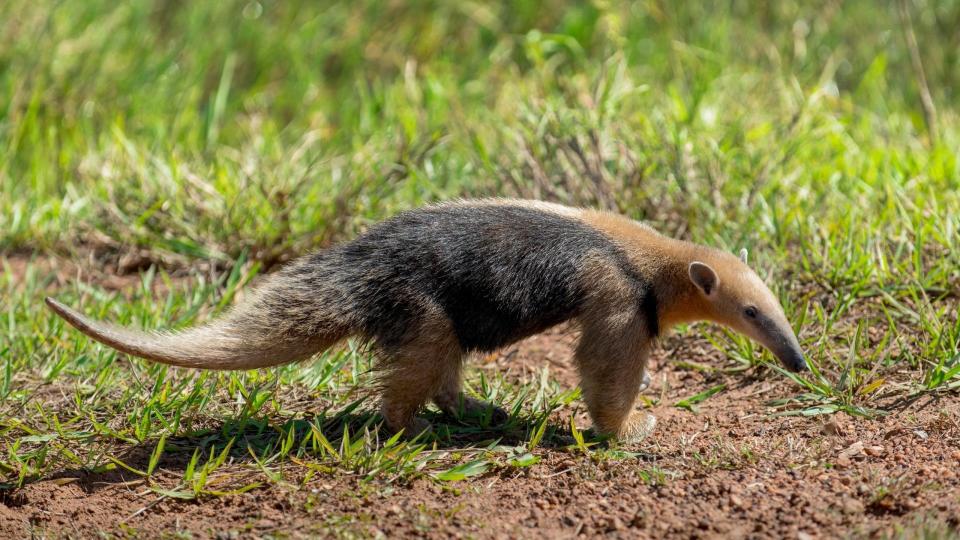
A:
(416, 427)
(463, 407)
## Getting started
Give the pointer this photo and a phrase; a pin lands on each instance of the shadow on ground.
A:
(252, 439)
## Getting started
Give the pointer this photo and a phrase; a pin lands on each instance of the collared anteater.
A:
(429, 286)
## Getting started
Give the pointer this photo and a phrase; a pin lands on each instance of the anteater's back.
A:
(499, 272)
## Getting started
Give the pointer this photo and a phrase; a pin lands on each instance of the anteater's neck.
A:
(665, 261)
(680, 300)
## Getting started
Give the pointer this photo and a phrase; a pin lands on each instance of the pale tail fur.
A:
(236, 341)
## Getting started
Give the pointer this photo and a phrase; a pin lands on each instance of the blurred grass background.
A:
(203, 129)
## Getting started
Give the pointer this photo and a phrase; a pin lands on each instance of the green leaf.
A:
(525, 460)
(39, 438)
(464, 470)
(690, 402)
(174, 494)
(538, 433)
(155, 456)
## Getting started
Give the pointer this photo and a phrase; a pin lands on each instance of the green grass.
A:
(243, 133)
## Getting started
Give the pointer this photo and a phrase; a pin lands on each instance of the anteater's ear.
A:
(743, 255)
(703, 277)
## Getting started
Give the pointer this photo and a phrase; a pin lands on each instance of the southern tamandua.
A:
(431, 285)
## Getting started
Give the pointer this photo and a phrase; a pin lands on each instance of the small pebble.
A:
(852, 506)
(832, 428)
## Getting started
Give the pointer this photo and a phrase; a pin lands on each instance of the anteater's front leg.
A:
(612, 359)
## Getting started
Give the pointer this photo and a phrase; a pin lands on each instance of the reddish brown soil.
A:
(732, 470)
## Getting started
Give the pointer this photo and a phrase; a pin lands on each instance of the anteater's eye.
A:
(750, 312)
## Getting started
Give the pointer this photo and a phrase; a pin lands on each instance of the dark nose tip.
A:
(792, 358)
(796, 362)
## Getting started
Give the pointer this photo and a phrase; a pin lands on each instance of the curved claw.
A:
(645, 383)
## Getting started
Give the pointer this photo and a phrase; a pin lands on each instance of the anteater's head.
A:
(736, 297)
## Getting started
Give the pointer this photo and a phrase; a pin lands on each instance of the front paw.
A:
(638, 426)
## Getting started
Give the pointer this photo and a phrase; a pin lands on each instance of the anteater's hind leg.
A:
(451, 400)
(415, 372)
(612, 358)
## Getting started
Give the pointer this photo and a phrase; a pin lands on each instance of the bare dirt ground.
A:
(730, 470)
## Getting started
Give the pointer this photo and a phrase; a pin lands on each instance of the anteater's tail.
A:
(266, 330)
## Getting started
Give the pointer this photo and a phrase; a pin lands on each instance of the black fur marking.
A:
(651, 312)
(498, 272)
